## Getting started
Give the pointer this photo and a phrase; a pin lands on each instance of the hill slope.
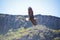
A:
(38, 32)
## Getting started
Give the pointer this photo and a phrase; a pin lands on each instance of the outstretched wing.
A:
(31, 16)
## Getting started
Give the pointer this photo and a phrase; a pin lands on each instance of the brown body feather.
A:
(31, 16)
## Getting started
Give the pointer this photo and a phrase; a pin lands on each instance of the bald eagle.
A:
(31, 16)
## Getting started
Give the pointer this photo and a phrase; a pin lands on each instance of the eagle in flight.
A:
(31, 16)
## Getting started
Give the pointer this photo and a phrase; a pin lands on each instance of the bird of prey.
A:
(31, 16)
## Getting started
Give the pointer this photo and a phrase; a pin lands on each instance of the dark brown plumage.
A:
(31, 16)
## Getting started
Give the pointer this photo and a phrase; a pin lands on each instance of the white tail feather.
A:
(27, 19)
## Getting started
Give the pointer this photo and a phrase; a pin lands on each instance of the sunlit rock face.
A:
(38, 32)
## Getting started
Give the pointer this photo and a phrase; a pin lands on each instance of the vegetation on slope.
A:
(39, 32)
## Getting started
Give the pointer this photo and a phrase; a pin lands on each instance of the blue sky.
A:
(20, 7)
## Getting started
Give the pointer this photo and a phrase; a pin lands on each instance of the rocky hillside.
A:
(16, 21)
(16, 27)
